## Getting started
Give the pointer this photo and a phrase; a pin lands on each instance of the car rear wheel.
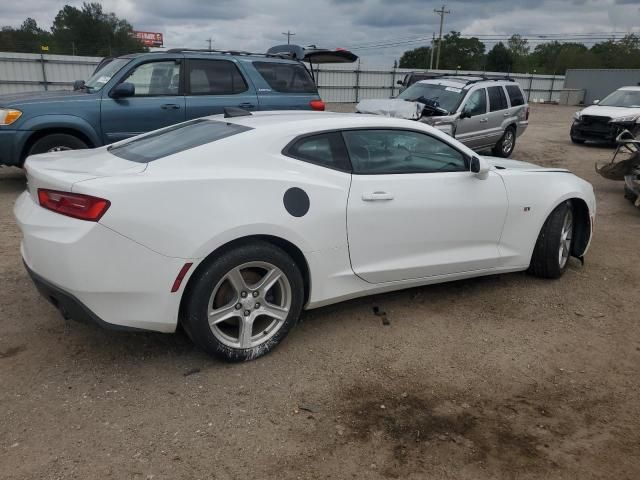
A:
(56, 142)
(507, 143)
(553, 249)
(242, 304)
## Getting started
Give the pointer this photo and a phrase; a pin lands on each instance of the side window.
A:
(476, 104)
(515, 95)
(156, 78)
(401, 151)
(497, 99)
(286, 77)
(215, 77)
(325, 149)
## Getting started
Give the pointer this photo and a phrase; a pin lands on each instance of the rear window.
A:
(286, 77)
(497, 99)
(175, 139)
(515, 95)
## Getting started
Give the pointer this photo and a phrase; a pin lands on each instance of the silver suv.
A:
(480, 112)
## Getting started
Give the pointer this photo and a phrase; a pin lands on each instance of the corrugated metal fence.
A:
(598, 83)
(21, 72)
(352, 84)
(24, 72)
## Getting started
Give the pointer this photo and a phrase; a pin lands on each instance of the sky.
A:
(377, 30)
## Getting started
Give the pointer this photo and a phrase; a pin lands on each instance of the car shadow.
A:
(12, 180)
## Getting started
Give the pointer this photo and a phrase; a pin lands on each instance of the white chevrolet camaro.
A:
(232, 225)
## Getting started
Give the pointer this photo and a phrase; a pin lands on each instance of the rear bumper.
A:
(93, 272)
(69, 306)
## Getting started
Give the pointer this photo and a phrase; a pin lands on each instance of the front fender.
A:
(59, 121)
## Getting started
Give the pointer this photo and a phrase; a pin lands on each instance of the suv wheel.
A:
(56, 142)
(507, 143)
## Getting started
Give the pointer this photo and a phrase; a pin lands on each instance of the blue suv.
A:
(134, 94)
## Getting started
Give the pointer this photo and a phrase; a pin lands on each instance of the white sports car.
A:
(232, 225)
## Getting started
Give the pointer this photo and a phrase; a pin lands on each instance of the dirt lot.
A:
(502, 377)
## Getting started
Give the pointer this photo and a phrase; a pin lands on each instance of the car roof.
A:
(631, 87)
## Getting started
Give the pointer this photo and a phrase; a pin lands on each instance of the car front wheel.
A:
(242, 304)
(56, 142)
(553, 249)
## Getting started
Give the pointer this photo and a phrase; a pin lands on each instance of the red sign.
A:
(150, 39)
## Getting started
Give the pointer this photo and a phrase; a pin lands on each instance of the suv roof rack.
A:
(228, 52)
(480, 78)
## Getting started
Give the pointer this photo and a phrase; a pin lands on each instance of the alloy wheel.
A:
(565, 239)
(249, 305)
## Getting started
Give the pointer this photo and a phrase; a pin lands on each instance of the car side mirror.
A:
(78, 84)
(480, 167)
(125, 89)
(399, 82)
(465, 114)
(595, 102)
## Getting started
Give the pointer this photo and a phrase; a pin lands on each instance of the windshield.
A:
(439, 96)
(622, 98)
(102, 76)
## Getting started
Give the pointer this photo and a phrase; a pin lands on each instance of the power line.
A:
(528, 36)
(491, 40)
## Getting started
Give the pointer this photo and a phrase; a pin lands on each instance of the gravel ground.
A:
(499, 377)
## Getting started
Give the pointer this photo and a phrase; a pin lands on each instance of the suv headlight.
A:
(627, 119)
(576, 116)
(8, 116)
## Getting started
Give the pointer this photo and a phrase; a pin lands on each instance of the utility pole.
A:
(433, 44)
(209, 41)
(442, 12)
(289, 34)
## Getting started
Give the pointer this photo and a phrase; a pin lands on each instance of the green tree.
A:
(416, 58)
(499, 59)
(555, 57)
(461, 53)
(624, 53)
(91, 31)
(519, 49)
(28, 38)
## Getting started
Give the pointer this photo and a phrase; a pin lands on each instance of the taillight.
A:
(317, 105)
(76, 205)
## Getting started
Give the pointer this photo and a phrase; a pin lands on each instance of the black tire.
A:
(577, 141)
(56, 141)
(546, 259)
(199, 298)
(504, 147)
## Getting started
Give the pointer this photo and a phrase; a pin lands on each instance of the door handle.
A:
(506, 114)
(170, 106)
(246, 105)
(376, 196)
(484, 120)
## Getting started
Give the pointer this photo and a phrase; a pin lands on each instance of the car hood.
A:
(17, 99)
(391, 107)
(612, 112)
(508, 164)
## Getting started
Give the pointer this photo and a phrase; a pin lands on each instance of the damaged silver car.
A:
(480, 112)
